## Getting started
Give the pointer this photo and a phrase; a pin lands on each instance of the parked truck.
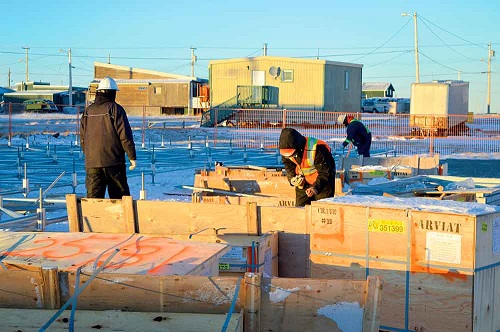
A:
(439, 108)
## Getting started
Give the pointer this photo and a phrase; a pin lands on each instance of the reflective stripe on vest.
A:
(307, 167)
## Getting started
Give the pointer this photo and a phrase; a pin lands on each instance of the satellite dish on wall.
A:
(275, 71)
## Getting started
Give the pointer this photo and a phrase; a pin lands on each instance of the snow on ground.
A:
(169, 153)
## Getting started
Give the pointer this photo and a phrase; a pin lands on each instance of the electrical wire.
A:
(388, 40)
(471, 43)
(451, 48)
(438, 63)
(397, 56)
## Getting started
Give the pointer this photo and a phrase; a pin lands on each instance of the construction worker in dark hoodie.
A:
(357, 134)
(309, 166)
(106, 136)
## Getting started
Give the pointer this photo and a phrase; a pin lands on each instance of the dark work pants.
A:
(301, 198)
(113, 177)
(364, 149)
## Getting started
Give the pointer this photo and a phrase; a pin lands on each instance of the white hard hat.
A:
(107, 83)
(340, 119)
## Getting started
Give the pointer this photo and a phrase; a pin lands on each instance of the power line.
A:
(397, 56)
(384, 42)
(451, 33)
(438, 63)
(451, 48)
(426, 75)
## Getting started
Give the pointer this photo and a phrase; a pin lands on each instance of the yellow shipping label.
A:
(386, 226)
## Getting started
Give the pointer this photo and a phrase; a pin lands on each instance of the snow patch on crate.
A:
(347, 315)
(280, 294)
(417, 203)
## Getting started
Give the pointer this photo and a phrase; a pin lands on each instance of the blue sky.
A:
(158, 34)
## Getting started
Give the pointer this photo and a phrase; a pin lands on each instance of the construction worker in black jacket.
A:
(309, 166)
(105, 136)
(357, 134)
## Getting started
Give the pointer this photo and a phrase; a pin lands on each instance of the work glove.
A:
(133, 165)
(311, 191)
(298, 181)
(345, 144)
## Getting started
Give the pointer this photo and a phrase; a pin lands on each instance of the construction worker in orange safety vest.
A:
(309, 166)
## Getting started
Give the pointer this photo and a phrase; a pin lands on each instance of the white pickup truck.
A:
(373, 106)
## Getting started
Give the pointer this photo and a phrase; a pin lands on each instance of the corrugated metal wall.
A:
(342, 96)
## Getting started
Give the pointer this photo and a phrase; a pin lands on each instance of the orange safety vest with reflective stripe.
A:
(307, 167)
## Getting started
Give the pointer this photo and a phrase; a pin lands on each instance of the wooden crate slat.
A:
(110, 320)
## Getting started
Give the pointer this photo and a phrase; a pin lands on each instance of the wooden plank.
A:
(103, 216)
(373, 296)
(74, 217)
(189, 218)
(234, 200)
(252, 302)
(51, 294)
(139, 254)
(147, 293)
(129, 215)
(15, 320)
(252, 219)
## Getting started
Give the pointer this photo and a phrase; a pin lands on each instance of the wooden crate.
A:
(247, 180)
(149, 217)
(247, 253)
(365, 174)
(185, 303)
(252, 180)
(419, 164)
(440, 260)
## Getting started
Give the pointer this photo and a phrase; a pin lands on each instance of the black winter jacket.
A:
(357, 133)
(323, 161)
(105, 134)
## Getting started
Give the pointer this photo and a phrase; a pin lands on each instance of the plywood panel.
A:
(15, 320)
(21, 289)
(138, 254)
(305, 304)
(195, 294)
(293, 238)
(187, 218)
(106, 215)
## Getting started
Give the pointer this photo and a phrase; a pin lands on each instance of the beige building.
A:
(153, 93)
(291, 83)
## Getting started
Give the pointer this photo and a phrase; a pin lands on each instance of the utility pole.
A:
(70, 89)
(193, 60)
(415, 40)
(27, 58)
(109, 58)
(9, 78)
(265, 49)
(491, 53)
(70, 80)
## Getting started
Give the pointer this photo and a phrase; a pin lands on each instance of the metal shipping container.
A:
(439, 105)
